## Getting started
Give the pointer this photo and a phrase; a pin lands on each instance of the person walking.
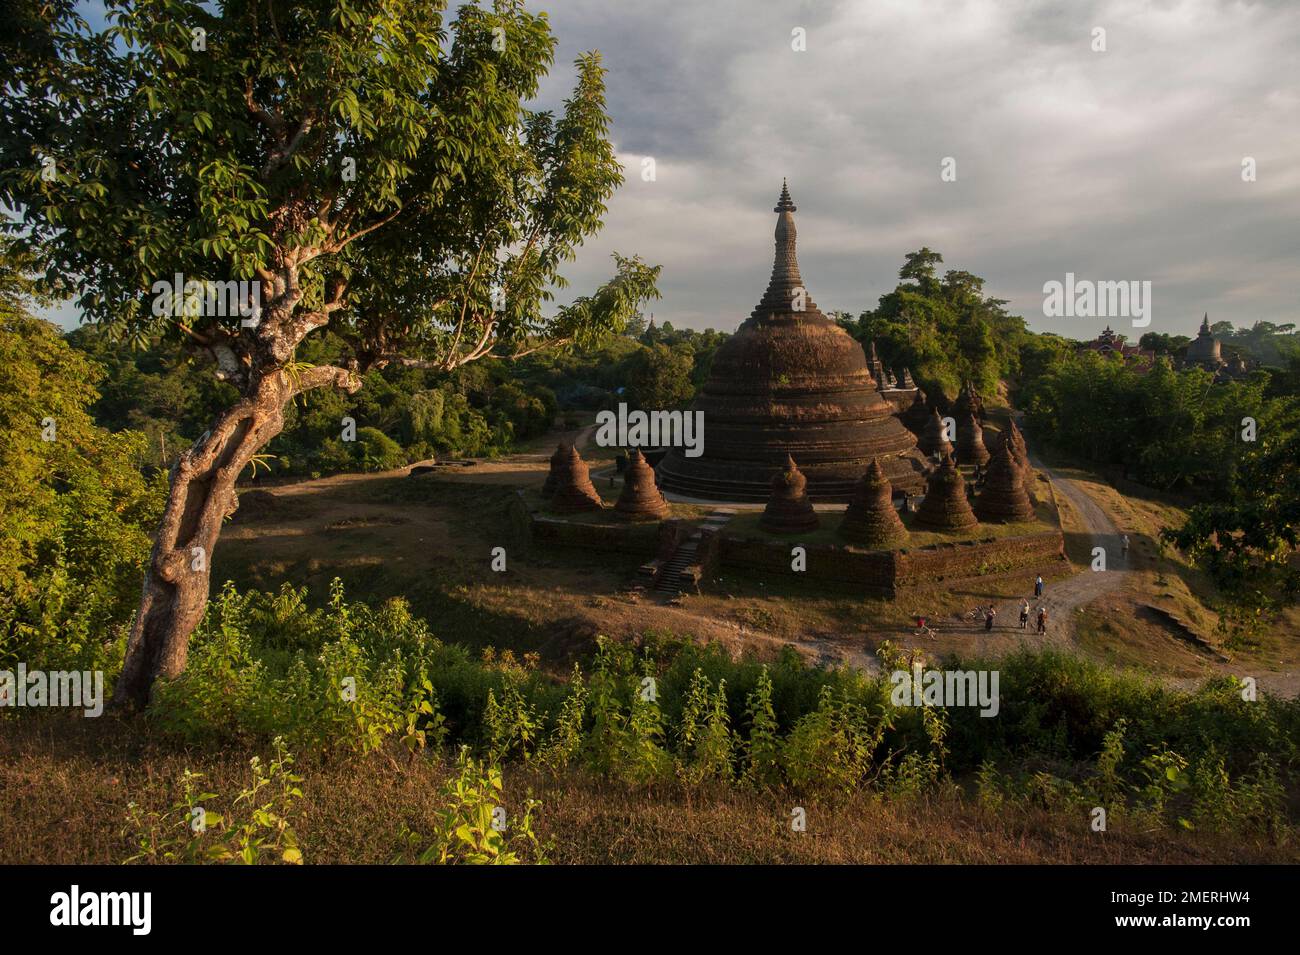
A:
(1042, 619)
(1038, 586)
(1124, 546)
(1024, 614)
(988, 617)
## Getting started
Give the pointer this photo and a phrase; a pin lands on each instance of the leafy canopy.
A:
(373, 162)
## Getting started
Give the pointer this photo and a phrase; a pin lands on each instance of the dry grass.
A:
(65, 784)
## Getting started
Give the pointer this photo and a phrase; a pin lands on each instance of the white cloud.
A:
(1123, 164)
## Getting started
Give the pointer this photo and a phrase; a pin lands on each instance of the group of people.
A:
(990, 612)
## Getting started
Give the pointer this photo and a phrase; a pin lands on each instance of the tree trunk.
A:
(202, 495)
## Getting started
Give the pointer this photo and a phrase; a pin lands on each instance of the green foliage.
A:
(425, 724)
(1068, 734)
(566, 737)
(762, 765)
(75, 507)
(832, 747)
(659, 378)
(945, 330)
(466, 831)
(411, 168)
(1248, 538)
(266, 664)
(402, 415)
(377, 451)
(256, 829)
(1107, 781)
(705, 740)
(1265, 342)
(511, 727)
(1167, 428)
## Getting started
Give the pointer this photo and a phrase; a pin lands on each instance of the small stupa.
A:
(945, 507)
(932, 440)
(1003, 499)
(788, 509)
(640, 499)
(573, 487)
(917, 415)
(968, 402)
(871, 520)
(559, 461)
(1020, 452)
(993, 441)
(970, 442)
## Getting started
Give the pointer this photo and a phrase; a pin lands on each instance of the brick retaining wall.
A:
(878, 573)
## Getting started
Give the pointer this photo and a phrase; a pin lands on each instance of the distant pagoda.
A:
(970, 442)
(791, 382)
(1205, 349)
(945, 507)
(871, 520)
(573, 488)
(933, 441)
(1003, 499)
(640, 499)
(788, 509)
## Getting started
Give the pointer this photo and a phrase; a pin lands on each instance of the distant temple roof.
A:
(1110, 342)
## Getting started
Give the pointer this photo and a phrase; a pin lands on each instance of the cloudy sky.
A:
(1116, 165)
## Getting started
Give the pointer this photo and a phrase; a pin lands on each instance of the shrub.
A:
(352, 676)
(255, 830)
(472, 828)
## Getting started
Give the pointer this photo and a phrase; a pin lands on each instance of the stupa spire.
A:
(785, 291)
(785, 203)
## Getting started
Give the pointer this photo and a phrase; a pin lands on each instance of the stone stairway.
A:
(672, 579)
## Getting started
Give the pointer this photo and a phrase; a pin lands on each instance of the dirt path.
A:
(1062, 598)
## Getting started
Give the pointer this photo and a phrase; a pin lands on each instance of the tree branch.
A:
(342, 243)
(321, 376)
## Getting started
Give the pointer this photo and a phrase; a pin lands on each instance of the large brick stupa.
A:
(790, 382)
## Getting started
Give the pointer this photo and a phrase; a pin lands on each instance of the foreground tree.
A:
(370, 166)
